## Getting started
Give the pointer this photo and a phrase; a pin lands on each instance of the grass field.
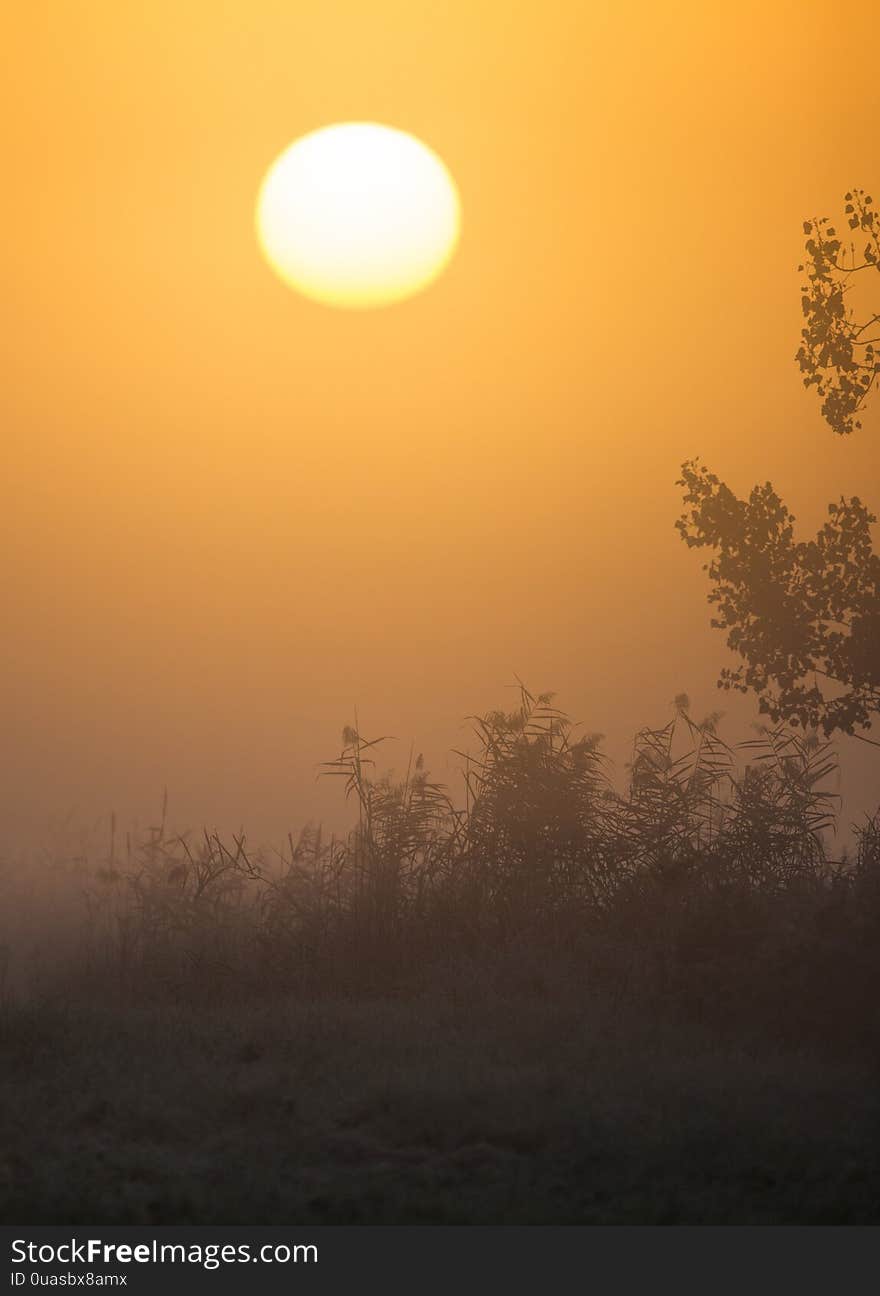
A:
(465, 1106)
(560, 1003)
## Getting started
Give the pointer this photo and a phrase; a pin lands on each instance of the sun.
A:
(358, 214)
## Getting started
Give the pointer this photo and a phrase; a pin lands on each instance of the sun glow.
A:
(358, 215)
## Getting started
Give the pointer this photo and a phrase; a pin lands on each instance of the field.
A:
(465, 1106)
(560, 1004)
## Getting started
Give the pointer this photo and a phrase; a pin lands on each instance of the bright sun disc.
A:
(358, 215)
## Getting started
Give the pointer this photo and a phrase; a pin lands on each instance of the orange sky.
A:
(231, 514)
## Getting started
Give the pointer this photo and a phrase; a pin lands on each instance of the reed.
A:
(708, 878)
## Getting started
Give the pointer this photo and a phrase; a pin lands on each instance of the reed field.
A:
(546, 998)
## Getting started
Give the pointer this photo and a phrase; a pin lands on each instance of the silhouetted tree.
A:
(838, 354)
(804, 616)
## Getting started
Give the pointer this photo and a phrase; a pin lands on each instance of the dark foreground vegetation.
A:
(557, 1002)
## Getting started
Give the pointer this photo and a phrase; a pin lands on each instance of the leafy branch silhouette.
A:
(804, 615)
(839, 354)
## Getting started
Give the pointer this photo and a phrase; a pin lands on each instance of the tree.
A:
(838, 354)
(804, 616)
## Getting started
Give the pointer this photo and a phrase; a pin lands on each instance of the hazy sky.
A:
(230, 515)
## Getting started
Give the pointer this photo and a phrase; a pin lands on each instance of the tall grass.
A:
(706, 882)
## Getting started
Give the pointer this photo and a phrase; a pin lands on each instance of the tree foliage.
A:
(839, 353)
(803, 615)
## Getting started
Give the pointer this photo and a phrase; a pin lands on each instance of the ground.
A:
(461, 1106)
